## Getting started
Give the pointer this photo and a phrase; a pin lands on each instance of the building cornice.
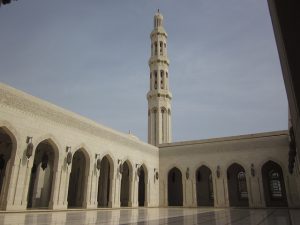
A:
(225, 139)
(35, 107)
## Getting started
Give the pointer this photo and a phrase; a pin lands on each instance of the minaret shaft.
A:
(159, 96)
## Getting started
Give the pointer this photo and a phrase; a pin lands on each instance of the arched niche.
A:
(126, 182)
(175, 193)
(274, 186)
(142, 187)
(204, 187)
(78, 179)
(105, 181)
(237, 185)
(42, 175)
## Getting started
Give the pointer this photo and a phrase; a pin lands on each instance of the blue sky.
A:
(91, 57)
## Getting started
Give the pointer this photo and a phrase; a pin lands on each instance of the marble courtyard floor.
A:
(153, 216)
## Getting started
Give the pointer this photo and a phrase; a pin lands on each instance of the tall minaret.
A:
(159, 96)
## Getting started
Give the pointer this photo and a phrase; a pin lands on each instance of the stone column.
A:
(259, 180)
(57, 197)
(254, 192)
(147, 190)
(135, 190)
(87, 191)
(194, 193)
(292, 190)
(131, 190)
(14, 186)
(166, 198)
(26, 180)
(187, 192)
(93, 188)
(220, 190)
(66, 184)
(117, 189)
(112, 191)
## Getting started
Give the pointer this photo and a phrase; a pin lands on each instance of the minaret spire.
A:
(159, 96)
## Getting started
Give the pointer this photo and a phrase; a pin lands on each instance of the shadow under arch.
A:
(8, 149)
(175, 190)
(237, 185)
(143, 186)
(126, 184)
(105, 181)
(204, 186)
(42, 180)
(77, 191)
(273, 184)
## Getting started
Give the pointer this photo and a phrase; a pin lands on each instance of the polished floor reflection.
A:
(153, 216)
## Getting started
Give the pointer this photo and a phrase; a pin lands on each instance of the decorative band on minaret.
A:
(159, 96)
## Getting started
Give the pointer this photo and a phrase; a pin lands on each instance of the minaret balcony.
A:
(159, 94)
(159, 59)
(159, 31)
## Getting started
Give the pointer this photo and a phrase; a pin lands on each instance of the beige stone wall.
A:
(23, 115)
(245, 150)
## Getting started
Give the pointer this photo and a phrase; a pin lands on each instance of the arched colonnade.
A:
(204, 181)
(42, 170)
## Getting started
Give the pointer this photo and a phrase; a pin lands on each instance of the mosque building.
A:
(55, 159)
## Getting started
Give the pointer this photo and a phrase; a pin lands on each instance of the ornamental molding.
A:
(36, 107)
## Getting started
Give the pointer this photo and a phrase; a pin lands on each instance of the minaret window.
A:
(155, 79)
(166, 81)
(162, 79)
(155, 48)
(163, 123)
(161, 48)
(150, 81)
(155, 120)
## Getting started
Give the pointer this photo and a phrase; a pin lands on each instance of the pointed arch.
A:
(274, 185)
(105, 181)
(237, 185)
(42, 181)
(8, 153)
(78, 181)
(143, 186)
(204, 186)
(170, 167)
(126, 184)
(175, 189)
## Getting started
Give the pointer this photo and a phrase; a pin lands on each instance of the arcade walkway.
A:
(156, 216)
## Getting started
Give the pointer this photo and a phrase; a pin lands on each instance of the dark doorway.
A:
(204, 187)
(273, 182)
(41, 178)
(104, 184)
(237, 186)
(175, 197)
(141, 186)
(125, 185)
(5, 155)
(78, 180)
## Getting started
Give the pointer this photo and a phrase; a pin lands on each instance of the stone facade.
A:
(55, 159)
(24, 116)
(251, 152)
